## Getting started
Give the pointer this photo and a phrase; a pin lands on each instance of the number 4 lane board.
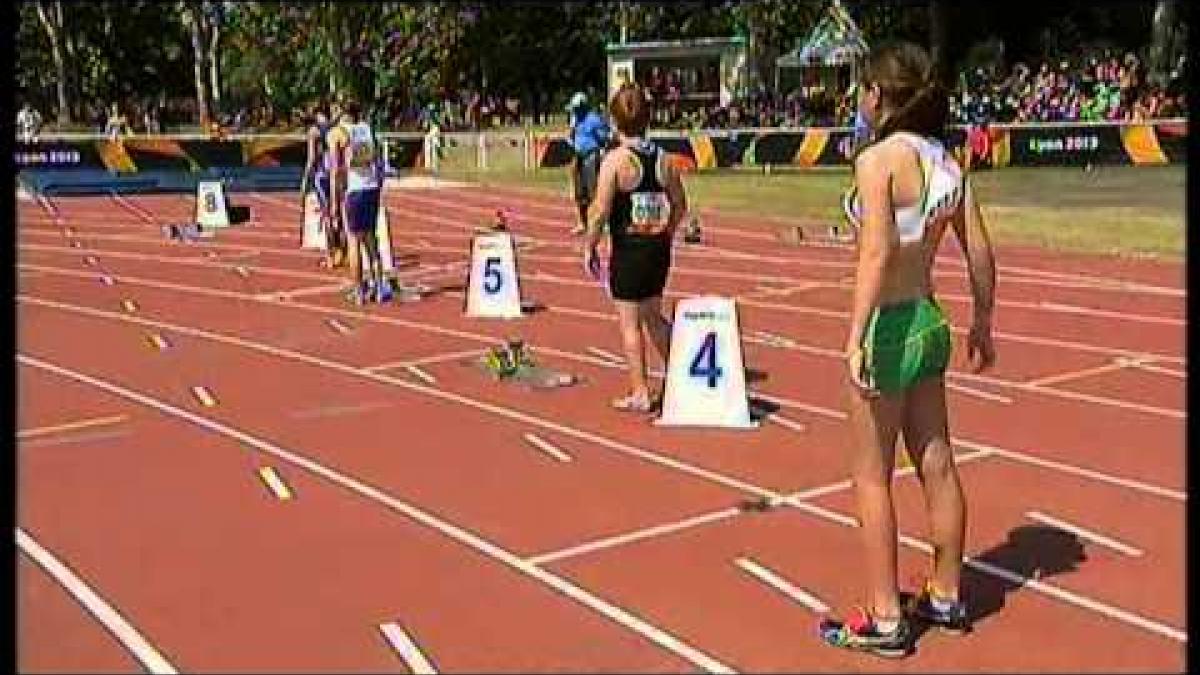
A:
(493, 289)
(706, 379)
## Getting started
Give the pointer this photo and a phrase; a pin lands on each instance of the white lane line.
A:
(613, 612)
(72, 439)
(811, 310)
(275, 483)
(420, 374)
(1056, 592)
(275, 351)
(635, 535)
(301, 292)
(785, 422)
(1075, 470)
(605, 354)
(729, 481)
(1160, 370)
(338, 326)
(955, 375)
(979, 393)
(1092, 311)
(71, 426)
(204, 396)
(426, 360)
(105, 613)
(814, 492)
(713, 516)
(546, 447)
(782, 585)
(1070, 395)
(1093, 537)
(1118, 364)
(768, 340)
(332, 410)
(407, 649)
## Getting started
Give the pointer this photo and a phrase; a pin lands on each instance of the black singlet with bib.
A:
(641, 245)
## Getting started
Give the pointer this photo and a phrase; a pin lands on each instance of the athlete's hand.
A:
(591, 262)
(855, 370)
(981, 353)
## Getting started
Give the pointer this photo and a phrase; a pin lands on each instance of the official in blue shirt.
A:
(589, 134)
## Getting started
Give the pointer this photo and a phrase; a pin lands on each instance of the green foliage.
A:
(392, 55)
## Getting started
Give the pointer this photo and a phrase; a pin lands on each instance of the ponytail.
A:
(924, 113)
(906, 76)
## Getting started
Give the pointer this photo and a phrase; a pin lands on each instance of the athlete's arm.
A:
(878, 238)
(976, 246)
(676, 195)
(601, 206)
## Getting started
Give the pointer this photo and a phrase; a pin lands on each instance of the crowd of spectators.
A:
(1099, 87)
(1095, 87)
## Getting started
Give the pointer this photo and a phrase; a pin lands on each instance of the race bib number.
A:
(649, 212)
(362, 147)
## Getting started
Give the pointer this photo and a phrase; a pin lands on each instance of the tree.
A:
(203, 19)
(51, 16)
(1165, 41)
(937, 38)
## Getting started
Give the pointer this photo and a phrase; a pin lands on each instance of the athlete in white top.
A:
(357, 165)
(909, 192)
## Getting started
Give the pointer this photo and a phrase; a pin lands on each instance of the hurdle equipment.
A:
(312, 232)
(706, 379)
(212, 209)
(493, 289)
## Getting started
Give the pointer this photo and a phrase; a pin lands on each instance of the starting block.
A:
(706, 379)
(211, 207)
(513, 362)
(312, 232)
(493, 289)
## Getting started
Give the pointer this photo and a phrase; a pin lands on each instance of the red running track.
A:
(421, 503)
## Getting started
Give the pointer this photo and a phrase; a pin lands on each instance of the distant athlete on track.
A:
(358, 166)
(589, 135)
(641, 197)
(908, 189)
(316, 169)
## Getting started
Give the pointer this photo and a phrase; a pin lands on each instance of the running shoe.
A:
(951, 620)
(383, 291)
(860, 633)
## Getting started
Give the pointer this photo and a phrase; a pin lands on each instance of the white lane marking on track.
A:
(546, 447)
(97, 606)
(782, 585)
(617, 614)
(624, 448)
(1083, 533)
(420, 374)
(407, 649)
(819, 410)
